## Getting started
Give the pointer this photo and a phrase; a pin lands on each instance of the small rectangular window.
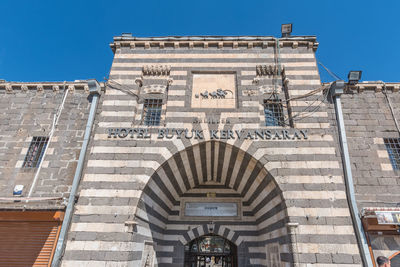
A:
(35, 151)
(273, 112)
(152, 111)
(393, 149)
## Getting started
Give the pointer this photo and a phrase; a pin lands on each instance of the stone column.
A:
(292, 228)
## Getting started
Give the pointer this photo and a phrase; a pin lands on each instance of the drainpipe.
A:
(94, 90)
(336, 90)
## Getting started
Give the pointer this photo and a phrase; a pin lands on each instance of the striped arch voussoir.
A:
(204, 229)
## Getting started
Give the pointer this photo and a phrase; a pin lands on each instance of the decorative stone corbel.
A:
(86, 88)
(139, 82)
(205, 45)
(132, 45)
(220, 45)
(147, 45)
(265, 45)
(176, 45)
(24, 88)
(39, 88)
(162, 45)
(130, 226)
(267, 90)
(378, 88)
(9, 88)
(191, 44)
(396, 88)
(295, 45)
(56, 88)
(286, 82)
(71, 87)
(235, 45)
(250, 45)
(250, 92)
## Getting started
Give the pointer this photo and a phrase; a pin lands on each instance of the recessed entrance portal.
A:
(210, 251)
(213, 204)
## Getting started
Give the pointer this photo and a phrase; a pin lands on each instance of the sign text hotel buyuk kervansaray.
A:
(169, 133)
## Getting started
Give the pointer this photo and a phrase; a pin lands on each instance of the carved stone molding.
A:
(205, 42)
(269, 90)
(154, 89)
(156, 70)
(250, 92)
(9, 88)
(266, 70)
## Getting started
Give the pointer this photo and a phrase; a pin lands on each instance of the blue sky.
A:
(69, 40)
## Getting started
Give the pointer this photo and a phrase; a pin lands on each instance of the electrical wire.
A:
(330, 72)
(390, 106)
(121, 87)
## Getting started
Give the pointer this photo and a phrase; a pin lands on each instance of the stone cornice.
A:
(370, 86)
(233, 42)
(11, 87)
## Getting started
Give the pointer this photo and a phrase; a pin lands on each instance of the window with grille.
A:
(152, 111)
(35, 151)
(393, 149)
(273, 112)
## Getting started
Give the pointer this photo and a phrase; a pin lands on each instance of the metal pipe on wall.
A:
(336, 89)
(94, 90)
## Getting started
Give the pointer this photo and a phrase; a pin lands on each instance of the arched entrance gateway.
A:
(212, 204)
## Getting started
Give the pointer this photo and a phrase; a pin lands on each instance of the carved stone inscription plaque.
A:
(214, 91)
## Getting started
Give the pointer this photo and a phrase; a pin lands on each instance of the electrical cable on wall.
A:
(52, 130)
(390, 106)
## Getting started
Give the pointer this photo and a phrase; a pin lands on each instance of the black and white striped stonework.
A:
(232, 174)
(131, 195)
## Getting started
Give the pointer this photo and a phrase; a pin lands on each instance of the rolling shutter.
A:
(28, 238)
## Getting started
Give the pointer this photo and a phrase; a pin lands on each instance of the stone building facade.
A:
(200, 140)
(370, 111)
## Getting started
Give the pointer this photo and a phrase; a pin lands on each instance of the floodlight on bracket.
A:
(286, 29)
(354, 76)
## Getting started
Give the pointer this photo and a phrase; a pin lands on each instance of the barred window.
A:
(35, 151)
(393, 149)
(273, 112)
(152, 111)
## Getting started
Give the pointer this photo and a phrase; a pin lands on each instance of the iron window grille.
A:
(393, 149)
(35, 151)
(152, 111)
(273, 112)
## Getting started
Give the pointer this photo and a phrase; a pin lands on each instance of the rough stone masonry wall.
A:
(307, 172)
(25, 114)
(368, 120)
